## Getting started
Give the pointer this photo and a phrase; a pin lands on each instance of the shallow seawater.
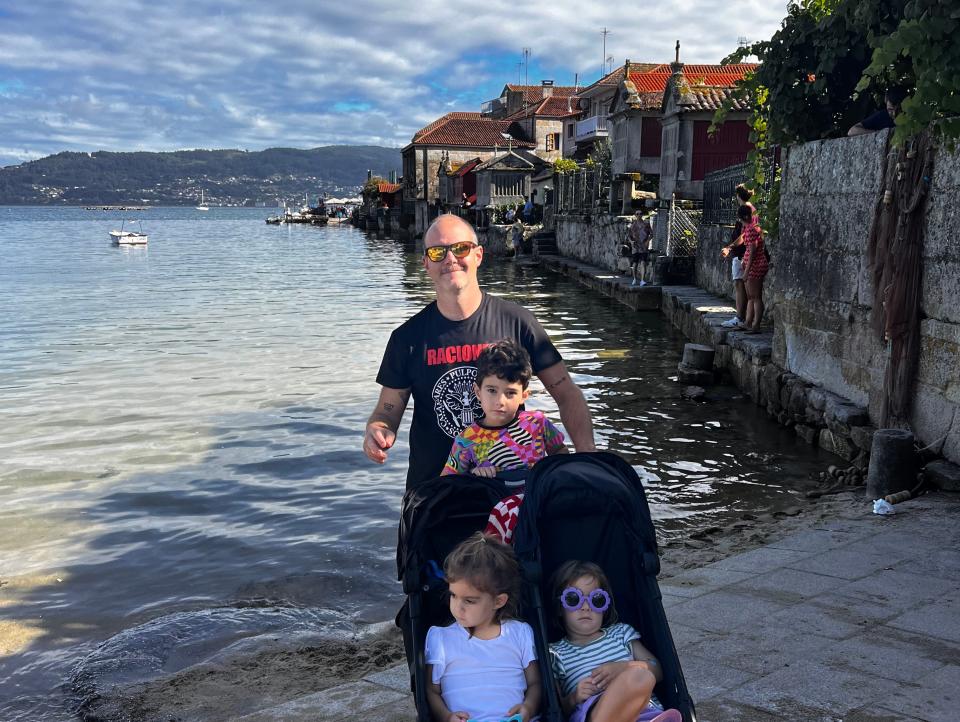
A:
(180, 426)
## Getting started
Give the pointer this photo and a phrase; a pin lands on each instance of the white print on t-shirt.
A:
(454, 402)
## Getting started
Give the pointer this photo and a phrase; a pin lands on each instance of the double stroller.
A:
(587, 506)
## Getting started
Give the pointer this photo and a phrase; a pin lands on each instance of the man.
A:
(431, 358)
(639, 234)
(885, 118)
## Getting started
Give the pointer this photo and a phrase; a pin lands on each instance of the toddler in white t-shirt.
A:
(483, 666)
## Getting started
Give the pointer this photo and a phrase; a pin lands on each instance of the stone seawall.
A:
(821, 283)
(820, 289)
(496, 240)
(711, 272)
(593, 239)
(817, 415)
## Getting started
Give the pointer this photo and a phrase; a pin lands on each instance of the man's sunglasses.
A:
(572, 600)
(459, 250)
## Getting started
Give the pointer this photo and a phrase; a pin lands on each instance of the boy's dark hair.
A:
(745, 213)
(489, 565)
(744, 193)
(569, 572)
(507, 360)
(895, 95)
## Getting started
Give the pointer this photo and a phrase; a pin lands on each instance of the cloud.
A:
(129, 74)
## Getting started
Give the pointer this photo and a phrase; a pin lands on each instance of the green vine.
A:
(563, 166)
(925, 40)
(827, 68)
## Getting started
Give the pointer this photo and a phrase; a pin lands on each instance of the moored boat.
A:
(129, 238)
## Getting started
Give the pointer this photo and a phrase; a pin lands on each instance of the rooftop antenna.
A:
(526, 66)
(609, 64)
(603, 64)
(519, 72)
(743, 41)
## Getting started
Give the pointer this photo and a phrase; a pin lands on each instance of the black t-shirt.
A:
(878, 121)
(434, 358)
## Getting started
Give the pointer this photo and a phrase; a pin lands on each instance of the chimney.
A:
(547, 88)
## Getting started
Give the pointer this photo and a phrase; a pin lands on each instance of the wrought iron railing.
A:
(719, 199)
(584, 191)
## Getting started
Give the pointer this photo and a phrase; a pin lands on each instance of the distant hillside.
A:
(227, 177)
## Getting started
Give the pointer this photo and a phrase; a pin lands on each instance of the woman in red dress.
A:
(755, 266)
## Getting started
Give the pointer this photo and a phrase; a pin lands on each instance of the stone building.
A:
(457, 137)
(543, 123)
(515, 98)
(458, 186)
(505, 180)
(581, 131)
(659, 123)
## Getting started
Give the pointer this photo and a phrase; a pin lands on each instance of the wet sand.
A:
(227, 688)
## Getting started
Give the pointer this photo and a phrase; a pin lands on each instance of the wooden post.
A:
(893, 463)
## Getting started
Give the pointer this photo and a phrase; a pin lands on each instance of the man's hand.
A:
(381, 431)
(458, 717)
(377, 439)
(725, 251)
(487, 471)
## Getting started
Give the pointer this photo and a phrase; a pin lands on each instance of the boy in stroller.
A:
(508, 441)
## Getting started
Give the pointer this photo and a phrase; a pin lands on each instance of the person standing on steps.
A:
(639, 234)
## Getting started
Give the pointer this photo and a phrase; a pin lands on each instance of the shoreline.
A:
(289, 673)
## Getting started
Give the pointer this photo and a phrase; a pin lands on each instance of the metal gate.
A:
(683, 230)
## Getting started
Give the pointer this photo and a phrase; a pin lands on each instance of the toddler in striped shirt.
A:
(600, 665)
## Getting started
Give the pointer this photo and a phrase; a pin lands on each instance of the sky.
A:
(123, 75)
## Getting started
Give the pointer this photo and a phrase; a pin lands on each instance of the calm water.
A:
(180, 425)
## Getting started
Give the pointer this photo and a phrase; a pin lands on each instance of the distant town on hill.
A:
(227, 177)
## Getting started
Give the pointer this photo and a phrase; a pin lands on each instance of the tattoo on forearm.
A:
(388, 407)
(556, 383)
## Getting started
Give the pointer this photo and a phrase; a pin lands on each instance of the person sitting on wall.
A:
(883, 118)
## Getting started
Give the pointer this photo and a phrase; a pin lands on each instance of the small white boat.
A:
(129, 238)
(202, 206)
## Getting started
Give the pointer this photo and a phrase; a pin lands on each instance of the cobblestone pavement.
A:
(855, 619)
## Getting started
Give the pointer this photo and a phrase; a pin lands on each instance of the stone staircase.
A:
(544, 243)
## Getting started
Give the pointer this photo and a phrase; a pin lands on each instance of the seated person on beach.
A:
(507, 438)
(883, 118)
(604, 672)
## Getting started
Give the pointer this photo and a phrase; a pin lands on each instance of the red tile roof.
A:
(387, 188)
(467, 129)
(705, 98)
(717, 76)
(444, 118)
(465, 168)
(612, 78)
(533, 93)
(552, 107)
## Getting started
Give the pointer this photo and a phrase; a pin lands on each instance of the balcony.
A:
(591, 128)
(492, 107)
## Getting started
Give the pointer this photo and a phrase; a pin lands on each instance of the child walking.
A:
(506, 439)
(483, 666)
(601, 667)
